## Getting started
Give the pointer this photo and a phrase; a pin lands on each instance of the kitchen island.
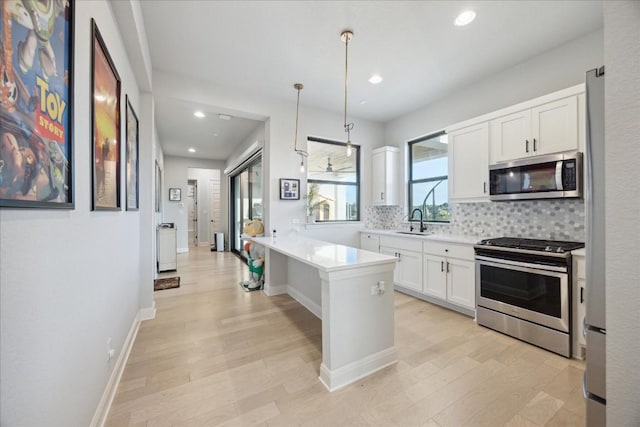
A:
(350, 290)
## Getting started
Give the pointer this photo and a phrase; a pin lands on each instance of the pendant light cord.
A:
(347, 126)
(298, 87)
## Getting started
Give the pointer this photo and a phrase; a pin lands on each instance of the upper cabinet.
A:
(385, 172)
(548, 128)
(469, 163)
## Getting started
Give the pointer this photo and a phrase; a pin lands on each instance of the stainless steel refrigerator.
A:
(595, 326)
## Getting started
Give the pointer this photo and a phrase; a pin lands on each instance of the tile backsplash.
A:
(555, 219)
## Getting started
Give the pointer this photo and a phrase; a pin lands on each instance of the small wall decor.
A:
(36, 105)
(289, 189)
(175, 194)
(105, 116)
(132, 183)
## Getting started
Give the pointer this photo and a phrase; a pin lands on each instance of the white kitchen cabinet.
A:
(469, 163)
(408, 272)
(385, 176)
(450, 273)
(370, 242)
(550, 127)
(579, 288)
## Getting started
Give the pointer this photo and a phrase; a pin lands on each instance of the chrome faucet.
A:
(422, 226)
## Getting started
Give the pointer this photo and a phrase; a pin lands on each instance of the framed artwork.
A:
(289, 189)
(158, 186)
(131, 150)
(36, 106)
(175, 194)
(105, 118)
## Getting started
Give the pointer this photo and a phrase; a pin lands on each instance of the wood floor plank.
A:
(216, 355)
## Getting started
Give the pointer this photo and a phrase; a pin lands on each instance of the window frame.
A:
(356, 148)
(411, 181)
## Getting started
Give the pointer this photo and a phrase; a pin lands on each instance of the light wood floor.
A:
(215, 355)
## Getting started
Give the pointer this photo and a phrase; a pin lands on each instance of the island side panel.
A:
(304, 285)
(357, 327)
(275, 275)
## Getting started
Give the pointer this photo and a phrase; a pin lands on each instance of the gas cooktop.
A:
(557, 246)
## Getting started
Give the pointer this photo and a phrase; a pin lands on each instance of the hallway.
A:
(215, 355)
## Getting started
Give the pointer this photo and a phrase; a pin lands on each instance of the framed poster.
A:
(36, 106)
(175, 194)
(131, 173)
(105, 118)
(289, 189)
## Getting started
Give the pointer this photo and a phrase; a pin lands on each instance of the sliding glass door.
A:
(246, 191)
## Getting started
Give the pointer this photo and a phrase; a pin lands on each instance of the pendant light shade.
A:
(302, 153)
(346, 37)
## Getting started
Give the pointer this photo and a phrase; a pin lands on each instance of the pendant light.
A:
(346, 37)
(302, 153)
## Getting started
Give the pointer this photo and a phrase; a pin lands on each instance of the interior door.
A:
(192, 206)
(215, 224)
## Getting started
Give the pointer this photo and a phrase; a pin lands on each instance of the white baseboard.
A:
(203, 244)
(305, 301)
(182, 250)
(274, 290)
(104, 406)
(148, 313)
(352, 372)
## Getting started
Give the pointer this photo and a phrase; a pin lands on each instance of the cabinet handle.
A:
(442, 266)
(485, 187)
(534, 145)
(447, 266)
(526, 145)
(399, 257)
(382, 195)
(581, 295)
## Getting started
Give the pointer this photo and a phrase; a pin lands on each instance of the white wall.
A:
(279, 159)
(622, 127)
(551, 71)
(176, 175)
(71, 278)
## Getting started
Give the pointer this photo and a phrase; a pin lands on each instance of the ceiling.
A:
(263, 47)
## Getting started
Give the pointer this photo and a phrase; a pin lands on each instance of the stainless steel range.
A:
(524, 290)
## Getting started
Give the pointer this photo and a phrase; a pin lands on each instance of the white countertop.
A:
(453, 238)
(323, 255)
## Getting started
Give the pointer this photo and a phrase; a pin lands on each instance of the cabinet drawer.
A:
(369, 236)
(580, 267)
(452, 250)
(408, 244)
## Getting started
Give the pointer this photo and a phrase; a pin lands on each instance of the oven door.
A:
(537, 293)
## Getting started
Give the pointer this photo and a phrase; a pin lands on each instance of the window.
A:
(428, 177)
(336, 178)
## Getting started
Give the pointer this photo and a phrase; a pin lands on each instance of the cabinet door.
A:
(461, 283)
(469, 162)
(378, 173)
(410, 267)
(555, 126)
(435, 276)
(394, 253)
(370, 242)
(511, 137)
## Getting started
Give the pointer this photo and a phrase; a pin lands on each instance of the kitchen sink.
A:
(415, 233)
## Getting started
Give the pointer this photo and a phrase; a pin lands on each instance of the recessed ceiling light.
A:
(375, 79)
(465, 18)
(363, 102)
(192, 150)
(224, 117)
(215, 134)
(199, 114)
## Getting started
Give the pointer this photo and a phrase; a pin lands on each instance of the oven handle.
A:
(522, 266)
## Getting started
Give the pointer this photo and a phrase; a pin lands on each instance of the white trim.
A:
(275, 290)
(182, 250)
(104, 406)
(251, 151)
(341, 377)
(307, 302)
(148, 313)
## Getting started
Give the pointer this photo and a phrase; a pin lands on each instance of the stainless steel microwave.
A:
(541, 177)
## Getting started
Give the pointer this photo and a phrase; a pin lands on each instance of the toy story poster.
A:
(36, 104)
(106, 128)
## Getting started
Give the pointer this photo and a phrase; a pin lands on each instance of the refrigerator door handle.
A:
(585, 393)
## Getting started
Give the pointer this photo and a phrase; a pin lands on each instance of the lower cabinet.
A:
(408, 272)
(450, 279)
